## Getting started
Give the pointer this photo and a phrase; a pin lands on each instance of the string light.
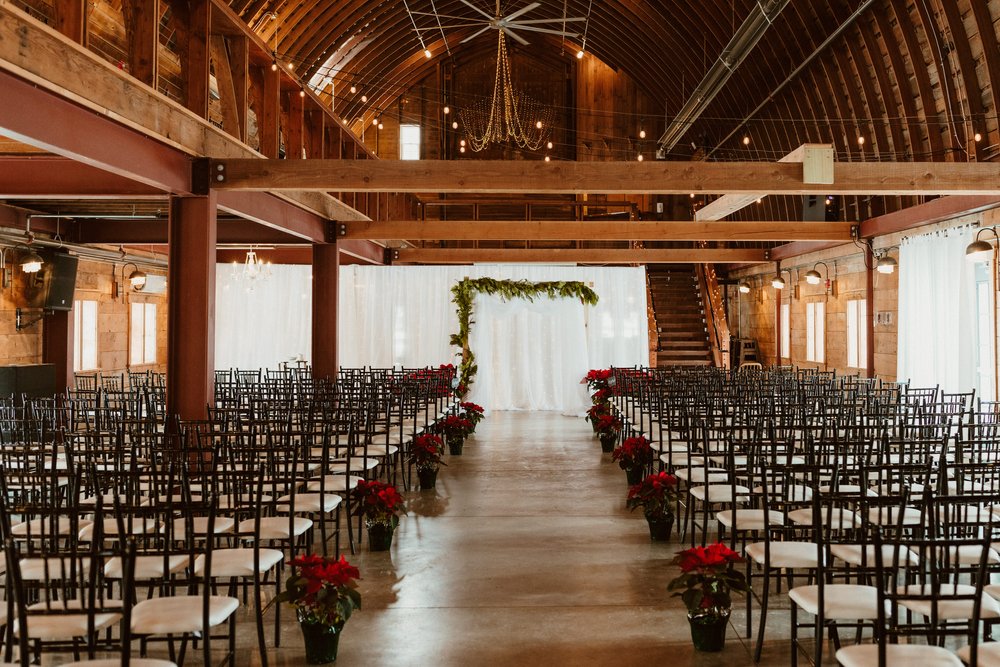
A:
(642, 134)
(462, 149)
(746, 140)
(274, 65)
(547, 159)
(978, 137)
(454, 125)
(354, 89)
(639, 158)
(549, 145)
(364, 98)
(375, 121)
(446, 110)
(302, 93)
(381, 126)
(427, 53)
(291, 66)
(861, 140)
(579, 54)
(501, 118)
(462, 143)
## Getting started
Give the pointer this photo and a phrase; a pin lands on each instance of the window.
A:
(84, 335)
(815, 332)
(984, 330)
(786, 331)
(409, 142)
(857, 333)
(142, 334)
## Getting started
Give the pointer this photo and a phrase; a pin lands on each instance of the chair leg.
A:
(795, 636)
(763, 614)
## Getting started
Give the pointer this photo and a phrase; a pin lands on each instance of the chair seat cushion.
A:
(720, 493)
(49, 627)
(988, 654)
(887, 516)
(228, 563)
(327, 501)
(866, 655)
(382, 450)
(116, 662)
(864, 554)
(785, 555)
(223, 524)
(335, 483)
(180, 614)
(748, 519)
(837, 518)
(840, 601)
(147, 567)
(698, 475)
(276, 527)
(949, 609)
(40, 527)
(53, 568)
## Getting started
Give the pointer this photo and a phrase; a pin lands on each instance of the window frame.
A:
(80, 340)
(857, 340)
(142, 330)
(403, 128)
(786, 331)
(816, 332)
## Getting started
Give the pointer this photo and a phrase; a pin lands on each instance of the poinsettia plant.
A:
(601, 396)
(378, 502)
(595, 411)
(322, 590)
(474, 413)
(608, 424)
(597, 378)
(707, 578)
(426, 451)
(634, 452)
(654, 494)
(454, 426)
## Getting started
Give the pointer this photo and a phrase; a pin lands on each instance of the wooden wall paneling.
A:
(991, 55)
(239, 62)
(70, 17)
(315, 133)
(946, 80)
(142, 29)
(225, 80)
(191, 21)
(961, 47)
(269, 114)
(293, 127)
(918, 66)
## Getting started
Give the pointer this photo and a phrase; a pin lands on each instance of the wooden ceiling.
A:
(914, 77)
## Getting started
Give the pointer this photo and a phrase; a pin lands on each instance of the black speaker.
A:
(60, 281)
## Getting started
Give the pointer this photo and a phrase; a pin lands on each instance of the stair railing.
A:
(715, 314)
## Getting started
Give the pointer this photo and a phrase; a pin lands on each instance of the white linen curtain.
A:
(937, 311)
(403, 316)
(262, 323)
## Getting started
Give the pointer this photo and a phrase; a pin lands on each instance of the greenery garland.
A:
(465, 292)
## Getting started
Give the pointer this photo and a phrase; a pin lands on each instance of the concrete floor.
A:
(526, 555)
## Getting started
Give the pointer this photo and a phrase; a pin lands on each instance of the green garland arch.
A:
(464, 292)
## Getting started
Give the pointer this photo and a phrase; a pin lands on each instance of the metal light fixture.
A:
(813, 276)
(778, 282)
(137, 278)
(31, 262)
(980, 250)
(744, 287)
(886, 264)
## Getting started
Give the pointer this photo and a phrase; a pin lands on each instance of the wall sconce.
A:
(813, 276)
(744, 287)
(31, 262)
(136, 280)
(886, 264)
(980, 250)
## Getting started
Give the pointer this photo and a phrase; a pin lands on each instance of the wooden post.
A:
(57, 346)
(191, 20)
(326, 271)
(191, 306)
(294, 135)
(227, 86)
(142, 29)
(870, 311)
(70, 18)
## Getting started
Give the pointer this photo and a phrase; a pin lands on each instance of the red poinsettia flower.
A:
(634, 452)
(608, 424)
(323, 589)
(377, 501)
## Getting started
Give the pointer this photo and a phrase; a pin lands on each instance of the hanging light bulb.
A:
(381, 126)
(861, 140)
(462, 149)
(746, 140)
(978, 137)
(446, 110)
(427, 53)
(454, 125)
(538, 124)
(291, 66)
(642, 134)
(364, 98)
(579, 54)
(462, 143)
(274, 65)
(548, 159)
(302, 93)
(354, 89)
(639, 157)
(549, 145)
(375, 121)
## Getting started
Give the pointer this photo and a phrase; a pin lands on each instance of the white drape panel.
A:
(937, 310)
(531, 354)
(403, 316)
(264, 326)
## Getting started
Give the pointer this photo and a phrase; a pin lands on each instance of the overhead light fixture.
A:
(980, 250)
(861, 140)
(886, 264)
(31, 262)
(381, 126)
(579, 54)
(549, 145)
(548, 159)
(744, 287)
(427, 53)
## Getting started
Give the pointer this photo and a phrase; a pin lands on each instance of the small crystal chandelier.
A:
(255, 270)
(509, 115)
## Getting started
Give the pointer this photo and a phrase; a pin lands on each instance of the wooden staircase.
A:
(682, 334)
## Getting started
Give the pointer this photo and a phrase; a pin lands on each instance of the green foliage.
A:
(464, 293)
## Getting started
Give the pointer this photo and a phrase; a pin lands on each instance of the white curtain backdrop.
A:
(266, 323)
(403, 316)
(937, 311)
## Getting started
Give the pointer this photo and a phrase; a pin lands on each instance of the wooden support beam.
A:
(227, 87)
(239, 63)
(191, 21)
(326, 277)
(142, 30)
(509, 230)
(600, 256)
(936, 210)
(294, 131)
(650, 177)
(70, 18)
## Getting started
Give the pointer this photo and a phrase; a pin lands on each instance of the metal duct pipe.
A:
(86, 251)
(798, 70)
(739, 47)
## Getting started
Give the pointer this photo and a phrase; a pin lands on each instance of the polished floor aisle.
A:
(525, 555)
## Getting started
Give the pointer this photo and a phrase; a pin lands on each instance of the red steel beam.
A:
(362, 252)
(276, 213)
(38, 118)
(51, 177)
(936, 210)
(145, 232)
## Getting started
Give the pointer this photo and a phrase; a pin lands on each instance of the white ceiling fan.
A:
(510, 23)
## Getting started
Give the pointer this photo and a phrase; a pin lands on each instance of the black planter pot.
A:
(635, 474)
(428, 478)
(660, 526)
(708, 630)
(321, 642)
(455, 446)
(608, 443)
(380, 536)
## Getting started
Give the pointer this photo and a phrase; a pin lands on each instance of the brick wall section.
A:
(93, 282)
